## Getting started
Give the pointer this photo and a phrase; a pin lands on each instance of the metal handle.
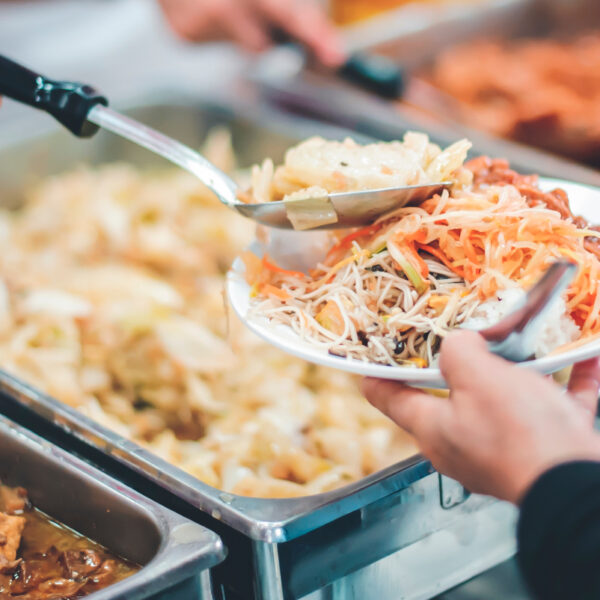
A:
(180, 154)
(372, 72)
(68, 102)
(375, 73)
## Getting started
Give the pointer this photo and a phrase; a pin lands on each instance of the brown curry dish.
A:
(41, 559)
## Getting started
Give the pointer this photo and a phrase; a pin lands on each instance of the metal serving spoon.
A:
(514, 337)
(82, 110)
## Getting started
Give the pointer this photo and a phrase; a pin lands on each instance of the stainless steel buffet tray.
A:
(417, 31)
(173, 551)
(414, 34)
(417, 48)
(287, 548)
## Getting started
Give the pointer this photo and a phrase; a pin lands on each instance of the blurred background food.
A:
(543, 92)
(42, 559)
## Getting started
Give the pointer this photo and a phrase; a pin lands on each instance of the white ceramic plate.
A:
(585, 201)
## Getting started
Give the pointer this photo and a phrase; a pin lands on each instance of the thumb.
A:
(584, 384)
(413, 410)
(462, 352)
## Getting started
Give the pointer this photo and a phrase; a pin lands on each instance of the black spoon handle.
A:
(68, 102)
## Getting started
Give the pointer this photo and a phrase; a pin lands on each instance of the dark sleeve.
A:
(559, 533)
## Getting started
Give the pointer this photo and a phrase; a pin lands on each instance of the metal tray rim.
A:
(264, 519)
(415, 18)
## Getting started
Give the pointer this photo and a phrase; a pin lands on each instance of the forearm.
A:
(559, 533)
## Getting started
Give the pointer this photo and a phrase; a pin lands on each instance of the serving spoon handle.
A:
(68, 102)
(81, 109)
(176, 152)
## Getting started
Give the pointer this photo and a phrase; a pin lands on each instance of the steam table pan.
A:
(401, 532)
(174, 552)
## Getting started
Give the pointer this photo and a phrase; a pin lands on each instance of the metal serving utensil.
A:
(83, 110)
(353, 209)
(514, 337)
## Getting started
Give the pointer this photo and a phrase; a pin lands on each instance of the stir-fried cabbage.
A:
(111, 300)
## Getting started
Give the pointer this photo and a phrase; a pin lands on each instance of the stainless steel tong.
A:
(514, 337)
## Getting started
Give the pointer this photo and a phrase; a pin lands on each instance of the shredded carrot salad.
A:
(389, 292)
